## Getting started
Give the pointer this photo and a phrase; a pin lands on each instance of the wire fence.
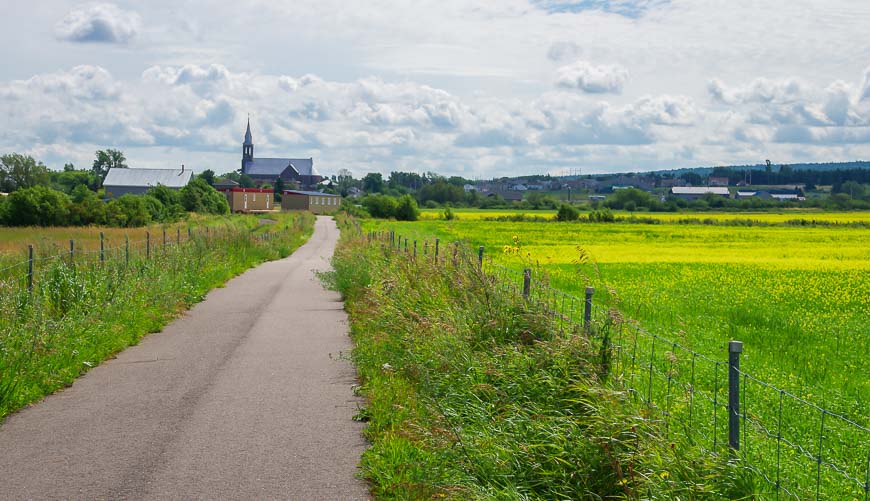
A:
(795, 448)
(24, 275)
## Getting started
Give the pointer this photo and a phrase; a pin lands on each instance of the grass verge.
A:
(81, 312)
(472, 395)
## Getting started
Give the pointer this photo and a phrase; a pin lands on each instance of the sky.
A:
(475, 89)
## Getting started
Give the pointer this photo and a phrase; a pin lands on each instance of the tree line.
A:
(39, 196)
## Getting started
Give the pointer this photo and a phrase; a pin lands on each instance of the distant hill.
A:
(822, 167)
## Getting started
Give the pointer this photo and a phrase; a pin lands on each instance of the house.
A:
(267, 170)
(138, 181)
(782, 195)
(717, 181)
(222, 184)
(746, 194)
(314, 201)
(468, 187)
(695, 192)
(249, 199)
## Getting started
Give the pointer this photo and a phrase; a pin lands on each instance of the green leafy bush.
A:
(37, 206)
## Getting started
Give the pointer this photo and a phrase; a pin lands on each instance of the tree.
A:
(108, 159)
(37, 206)
(198, 196)
(245, 181)
(21, 171)
(279, 188)
(207, 176)
(373, 182)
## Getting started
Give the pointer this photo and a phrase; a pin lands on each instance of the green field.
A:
(795, 296)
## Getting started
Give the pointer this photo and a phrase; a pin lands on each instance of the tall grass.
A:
(81, 312)
(471, 394)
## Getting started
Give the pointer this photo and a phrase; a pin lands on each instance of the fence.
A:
(24, 274)
(795, 448)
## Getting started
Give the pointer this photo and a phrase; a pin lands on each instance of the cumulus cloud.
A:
(98, 23)
(591, 78)
(85, 82)
(759, 90)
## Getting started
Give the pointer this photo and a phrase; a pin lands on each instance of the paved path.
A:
(244, 397)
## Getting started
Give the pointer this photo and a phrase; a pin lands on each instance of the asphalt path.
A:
(247, 396)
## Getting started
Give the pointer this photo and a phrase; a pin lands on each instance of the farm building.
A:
(696, 192)
(249, 199)
(138, 181)
(314, 201)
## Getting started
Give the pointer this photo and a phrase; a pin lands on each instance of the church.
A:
(266, 170)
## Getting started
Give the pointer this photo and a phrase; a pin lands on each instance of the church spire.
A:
(248, 138)
(247, 147)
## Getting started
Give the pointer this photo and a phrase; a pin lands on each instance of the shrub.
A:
(128, 211)
(382, 206)
(567, 213)
(39, 206)
(198, 196)
(406, 209)
(87, 208)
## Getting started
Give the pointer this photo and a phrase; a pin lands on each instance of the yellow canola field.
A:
(668, 217)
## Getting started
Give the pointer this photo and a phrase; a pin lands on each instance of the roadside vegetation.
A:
(84, 310)
(471, 394)
(792, 294)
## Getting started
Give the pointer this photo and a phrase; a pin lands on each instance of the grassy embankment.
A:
(82, 312)
(796, 296)
(471, 394)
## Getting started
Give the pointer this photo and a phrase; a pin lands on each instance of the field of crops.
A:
(667, 217)
(795, 296)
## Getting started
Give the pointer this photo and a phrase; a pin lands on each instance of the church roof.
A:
(171, 178)
(275, 166)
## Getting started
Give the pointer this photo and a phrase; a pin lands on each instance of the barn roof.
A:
(171, 178)
(700, 190)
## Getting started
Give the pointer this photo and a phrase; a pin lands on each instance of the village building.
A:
(138, 181)
(249, 199)
(717, 181)
(696, 192)
(313, 201)
(266, 170)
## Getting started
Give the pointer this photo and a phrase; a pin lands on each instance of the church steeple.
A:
(247, 146)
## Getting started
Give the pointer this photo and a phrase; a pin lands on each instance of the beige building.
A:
(249, 199)
(314, 201)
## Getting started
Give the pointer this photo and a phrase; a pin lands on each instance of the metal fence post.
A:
(102, 248)
(734, 349)
(527, 282)
(189, 232)
(126, 249)
(72, 251)
(177, 236)
(147, 245)
(480, 257)
(164, 238)
(30, 269)
(415, 248)
(587, 310)
(437, 245)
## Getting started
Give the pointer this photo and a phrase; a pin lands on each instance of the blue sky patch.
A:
(628, 8)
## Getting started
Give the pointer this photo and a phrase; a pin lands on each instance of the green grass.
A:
(796, 296)
(82, 312)
(471, 394)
